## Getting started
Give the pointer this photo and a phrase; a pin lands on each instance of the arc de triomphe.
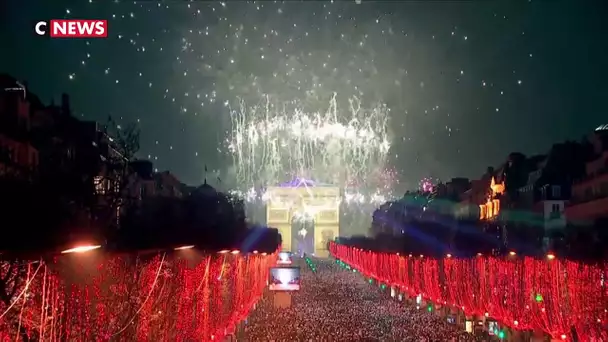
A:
(320, 203)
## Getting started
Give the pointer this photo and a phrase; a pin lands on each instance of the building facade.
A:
(18, 157)
(145, 183)
(590, 194)
(477, 203)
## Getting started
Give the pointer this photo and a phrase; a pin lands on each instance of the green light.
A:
(538, 298)
(429, 308)
(501, 334)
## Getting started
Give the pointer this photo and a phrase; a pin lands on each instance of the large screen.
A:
(284, 258)
(284, 279)
(492, 328)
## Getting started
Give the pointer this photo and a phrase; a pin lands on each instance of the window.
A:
(555, 211)
(556, 191)
(543, 192)
(99, 184)
(118, 209)
(10, 154)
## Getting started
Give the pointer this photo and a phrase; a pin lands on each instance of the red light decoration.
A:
(574, 295)
(134, 298)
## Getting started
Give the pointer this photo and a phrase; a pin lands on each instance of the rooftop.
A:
(602, 128)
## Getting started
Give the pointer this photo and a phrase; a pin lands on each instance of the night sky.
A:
(463, 83)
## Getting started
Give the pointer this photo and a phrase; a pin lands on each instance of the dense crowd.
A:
(339, 305)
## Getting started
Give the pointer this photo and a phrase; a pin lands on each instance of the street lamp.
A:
(183, 248)
(81, 249)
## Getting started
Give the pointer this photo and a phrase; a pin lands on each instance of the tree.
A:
(120, 145)
(156, 222)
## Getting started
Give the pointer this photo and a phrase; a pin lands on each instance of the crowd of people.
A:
(335, 304)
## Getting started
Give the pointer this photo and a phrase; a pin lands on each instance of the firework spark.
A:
(427, 185)
(272, 142)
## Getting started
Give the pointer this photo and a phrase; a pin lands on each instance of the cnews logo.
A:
(72, 28)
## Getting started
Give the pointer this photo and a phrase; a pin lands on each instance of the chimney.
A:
(25, 85)
(65, 104)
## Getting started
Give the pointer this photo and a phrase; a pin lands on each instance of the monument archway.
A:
(320, 203)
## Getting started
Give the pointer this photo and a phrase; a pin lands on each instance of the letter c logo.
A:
(38, 28)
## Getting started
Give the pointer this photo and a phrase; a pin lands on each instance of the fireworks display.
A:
(367, 96)
(426, 184)
(273, 142)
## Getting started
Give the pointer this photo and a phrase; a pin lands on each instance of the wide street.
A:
(336, 304)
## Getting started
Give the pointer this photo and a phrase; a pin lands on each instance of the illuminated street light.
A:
(184, 247)
(512, 253)
(550, 256)
(81, 249)
(235, 252)
(224, 251)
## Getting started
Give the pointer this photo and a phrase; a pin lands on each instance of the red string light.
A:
(155, 298)
(521, 292)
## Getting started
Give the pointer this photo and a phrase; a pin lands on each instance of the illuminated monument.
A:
(305, 200)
